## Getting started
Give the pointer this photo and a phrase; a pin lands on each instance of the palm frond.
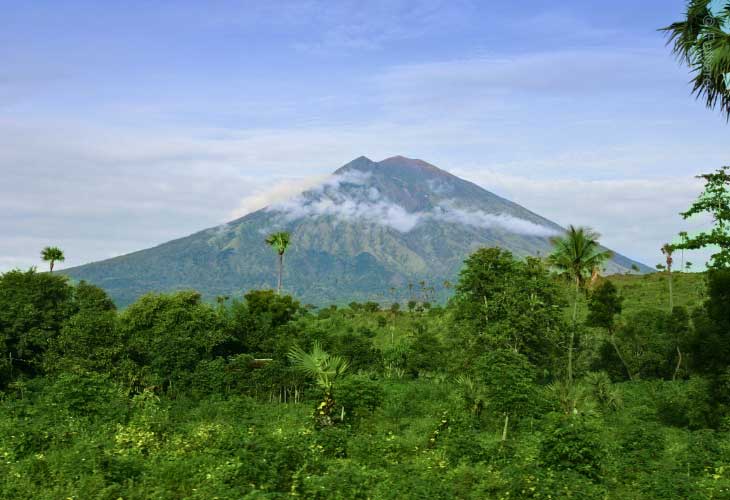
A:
(322, 366)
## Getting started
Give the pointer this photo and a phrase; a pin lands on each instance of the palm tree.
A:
(279, 242)
(701, 42)
(683, 235)
(576, 255)
(52, 255)
(325, 369)
(668, 250)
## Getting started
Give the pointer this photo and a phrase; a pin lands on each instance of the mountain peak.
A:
(393, 162)
(403, 161)
(359, 163)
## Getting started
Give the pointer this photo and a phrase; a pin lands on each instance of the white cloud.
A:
(634, 216)
(280, 191)
(449, 212)
(369, 205)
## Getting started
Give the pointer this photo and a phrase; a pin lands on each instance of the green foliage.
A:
(359, 396)
(52, 255)
(700, 42)
(686, 404)
(323, 367)
(33, 309)
(508, 381)
(576, 444)
(577, 254)
(604, 304)
(167, 336)
(714, 200)
(504, 303)
(176, 398)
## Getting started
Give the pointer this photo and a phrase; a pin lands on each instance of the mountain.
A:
(365, 233)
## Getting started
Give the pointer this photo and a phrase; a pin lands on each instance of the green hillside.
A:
(652, 290)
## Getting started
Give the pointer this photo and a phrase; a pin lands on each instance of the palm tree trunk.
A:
(52, 265)
(618, 353)
(671, 295)
(572, 331)
(281, 267)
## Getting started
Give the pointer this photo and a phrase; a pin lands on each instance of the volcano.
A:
(382, 231)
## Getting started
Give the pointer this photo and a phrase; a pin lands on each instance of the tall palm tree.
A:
(576, 255)
(279, 242)
(702, 42)
(325, 369)
(668, 250)
(52, 255)
(683, 235)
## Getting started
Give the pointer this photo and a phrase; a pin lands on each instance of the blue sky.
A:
(125, 125)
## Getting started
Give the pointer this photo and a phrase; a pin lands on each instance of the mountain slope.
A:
(366, 233)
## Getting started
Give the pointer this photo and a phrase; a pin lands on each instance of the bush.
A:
(574, 443)
(508, 379)
(686, 404)
(359, 396)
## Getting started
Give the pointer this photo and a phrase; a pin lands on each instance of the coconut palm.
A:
(325, 369)
(52, 255)
(668, 250)
(279, 242)
(576, 255)
(702, 42)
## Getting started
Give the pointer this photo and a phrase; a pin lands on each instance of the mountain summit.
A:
(369, 232)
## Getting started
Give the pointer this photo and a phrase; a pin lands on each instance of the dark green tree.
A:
(501, 302)
(167, 336)
(604, 305)
(89, 340)
(33, 309)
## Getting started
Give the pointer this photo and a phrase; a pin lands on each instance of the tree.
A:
(52, 255)
(504, 303)
(667, 250)
(576, 255)
(89, 339)
(700, 42)
(279, 242)
(166, 336)
(604, 304)
(33, 309)
(688, 266)
(507, 379)
(325, 369)
(714, 200)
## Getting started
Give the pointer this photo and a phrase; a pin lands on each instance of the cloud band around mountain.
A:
(328, 199)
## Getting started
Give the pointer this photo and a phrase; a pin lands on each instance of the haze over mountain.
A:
(365, 233)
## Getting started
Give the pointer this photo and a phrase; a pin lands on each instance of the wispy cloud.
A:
(369, 205)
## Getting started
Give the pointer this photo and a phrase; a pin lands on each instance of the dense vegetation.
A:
(174, 397)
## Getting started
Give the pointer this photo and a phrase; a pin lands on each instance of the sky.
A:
(126, 124)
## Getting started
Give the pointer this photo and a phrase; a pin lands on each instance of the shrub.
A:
(508, 379)
(359, 396)
(574, 443)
